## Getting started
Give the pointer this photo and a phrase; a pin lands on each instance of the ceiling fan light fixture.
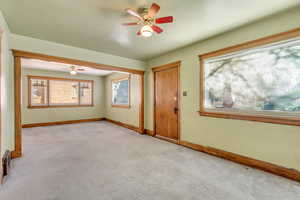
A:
(73, 72)
(146, 31)
(147, 18)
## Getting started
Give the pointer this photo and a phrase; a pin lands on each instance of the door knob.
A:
(175, 110)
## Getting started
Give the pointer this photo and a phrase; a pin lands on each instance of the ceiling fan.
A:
(74, 70)
(147, 19)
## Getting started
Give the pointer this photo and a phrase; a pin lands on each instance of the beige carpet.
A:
(101, 161)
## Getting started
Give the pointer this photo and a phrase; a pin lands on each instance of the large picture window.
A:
(260, 83)
(59, 92)
(121, 92)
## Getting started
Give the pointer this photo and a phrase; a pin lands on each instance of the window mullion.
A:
(79, 92)
(48, 92)
(30, 92)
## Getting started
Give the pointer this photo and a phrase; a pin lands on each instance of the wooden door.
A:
(166, 109)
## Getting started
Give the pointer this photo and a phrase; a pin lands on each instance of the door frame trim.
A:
(176, 64)
(1, 142)
(18, 55)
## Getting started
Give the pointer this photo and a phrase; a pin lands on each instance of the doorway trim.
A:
(1, 59)
(18, 55)
(176, 64)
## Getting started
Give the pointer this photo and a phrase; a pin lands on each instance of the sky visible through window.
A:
(120, 92)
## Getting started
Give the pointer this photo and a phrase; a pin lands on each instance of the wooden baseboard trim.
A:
(258, 164)
(61, 122)
(149, 132)
(134, 128)
(16, 154)
(166, 139)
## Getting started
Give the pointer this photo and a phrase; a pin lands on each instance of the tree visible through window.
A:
(47, 92)
(121, 92)
(259, 81)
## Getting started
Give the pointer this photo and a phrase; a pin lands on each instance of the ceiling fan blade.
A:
(133, 13)
(157, 29)
(153, 10)
(163, 20)
(130, 24)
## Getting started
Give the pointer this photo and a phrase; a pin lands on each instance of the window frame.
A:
(286, 120)
(30, 106)
(116, 80)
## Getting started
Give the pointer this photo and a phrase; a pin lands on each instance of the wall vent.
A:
(6, 162)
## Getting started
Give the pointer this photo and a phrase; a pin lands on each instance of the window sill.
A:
(265, 119)
(58, 106)
(120, 106)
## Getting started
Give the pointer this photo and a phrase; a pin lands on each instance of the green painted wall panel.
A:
(126, 115)
(278, 144)
(7, 101)
(29, 44)
(42, 115)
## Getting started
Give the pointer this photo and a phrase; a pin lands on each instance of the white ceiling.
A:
(61, 67)
(95, 24)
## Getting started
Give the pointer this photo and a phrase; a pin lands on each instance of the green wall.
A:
(30, 116)
(7, 101)
(102, 101)
(29, 44)
(14, 41)
(278, 144)
(126, 115)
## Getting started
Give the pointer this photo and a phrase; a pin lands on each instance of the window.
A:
(121, 92)
(59, 92)
(64, 92)
(261, 83)
(39, 90)
(85, 93)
